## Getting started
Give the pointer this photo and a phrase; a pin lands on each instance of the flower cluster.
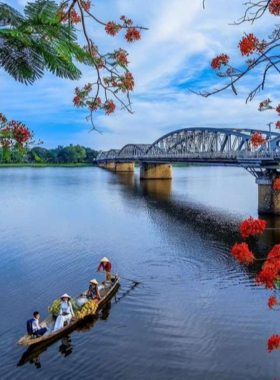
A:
(248, 45)
(276, 184)
(132, 33)
(124, 82)
(86, 5)
(274, 7)
(121, 57)
(220, 60)
(109, 107)
(75, 17)
(273, 343)
(272, 301)
(82, 99)
(265, 105)
(252, 227)
(270, 269)
(242, 253)
(20, 133)
(257, 139)
(112, 28)
(13, 133)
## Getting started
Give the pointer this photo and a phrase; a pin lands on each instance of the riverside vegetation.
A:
(65, 156)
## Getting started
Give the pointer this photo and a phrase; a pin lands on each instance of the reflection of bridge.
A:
(210, 146)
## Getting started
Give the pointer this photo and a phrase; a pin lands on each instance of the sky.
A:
(172, 56)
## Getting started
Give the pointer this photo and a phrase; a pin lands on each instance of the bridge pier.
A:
(111, 166)
(268, 197)
(102, 164)
(155, 171)
(124, 167)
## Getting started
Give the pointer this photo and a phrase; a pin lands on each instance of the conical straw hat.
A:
(65, 296)
(94, 281)
(105, 260)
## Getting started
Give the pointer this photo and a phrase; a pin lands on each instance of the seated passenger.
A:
(66, 313)
(92, 293)
(36, 327)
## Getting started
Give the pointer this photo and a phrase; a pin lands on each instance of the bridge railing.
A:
(238, 155)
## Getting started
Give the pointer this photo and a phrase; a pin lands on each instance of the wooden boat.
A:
(107, 292)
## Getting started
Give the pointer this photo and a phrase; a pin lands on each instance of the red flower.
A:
(277, 125)
(248, 44)
(274, 7)
(20, 133)
(86, 5)
(132, 35)
(257, 139)
(94, 105)
(112, 28)
(251, 227)
(278, 109)
(272, 301)
(88, 87)
(128, 81)
(242, 253)
(265, 105)
(276, 184)
(273, 343)
(270, 269)
(109, 107)
(220, 60)
(121, 57)
(77, 101)
(75, 18)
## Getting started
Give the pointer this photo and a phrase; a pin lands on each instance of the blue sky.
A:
(172, 56)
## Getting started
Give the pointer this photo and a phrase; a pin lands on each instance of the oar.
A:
(125, 278)
(128, 279)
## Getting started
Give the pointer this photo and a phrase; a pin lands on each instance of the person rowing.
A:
(106, 266)
(91, 294)
(66, 312)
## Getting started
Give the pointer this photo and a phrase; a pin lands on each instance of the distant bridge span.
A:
(209, 146)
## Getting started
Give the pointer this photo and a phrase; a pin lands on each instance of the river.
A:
(197, 313)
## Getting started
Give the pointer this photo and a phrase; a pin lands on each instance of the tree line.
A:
(72, 154)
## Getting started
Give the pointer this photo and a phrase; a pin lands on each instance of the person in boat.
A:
(91, 294)
(66, 312)
(37, 329)
(106, 266)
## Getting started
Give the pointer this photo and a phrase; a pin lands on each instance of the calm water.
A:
(197, 314)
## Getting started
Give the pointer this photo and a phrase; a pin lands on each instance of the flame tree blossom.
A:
(14, 133)
(274, 7)
(273, 343)
(272, 301)
(252, 227)
(248, 44)
(269, 273)
(242, 253)
(219, 61)
(257, 139)
(276, 184)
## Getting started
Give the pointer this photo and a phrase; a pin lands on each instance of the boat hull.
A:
(27, 341)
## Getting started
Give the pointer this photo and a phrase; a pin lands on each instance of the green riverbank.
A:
(45, 165)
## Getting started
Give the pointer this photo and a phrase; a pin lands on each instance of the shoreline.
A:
(46, 165)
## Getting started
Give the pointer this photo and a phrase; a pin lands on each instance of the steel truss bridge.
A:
(210, 146)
